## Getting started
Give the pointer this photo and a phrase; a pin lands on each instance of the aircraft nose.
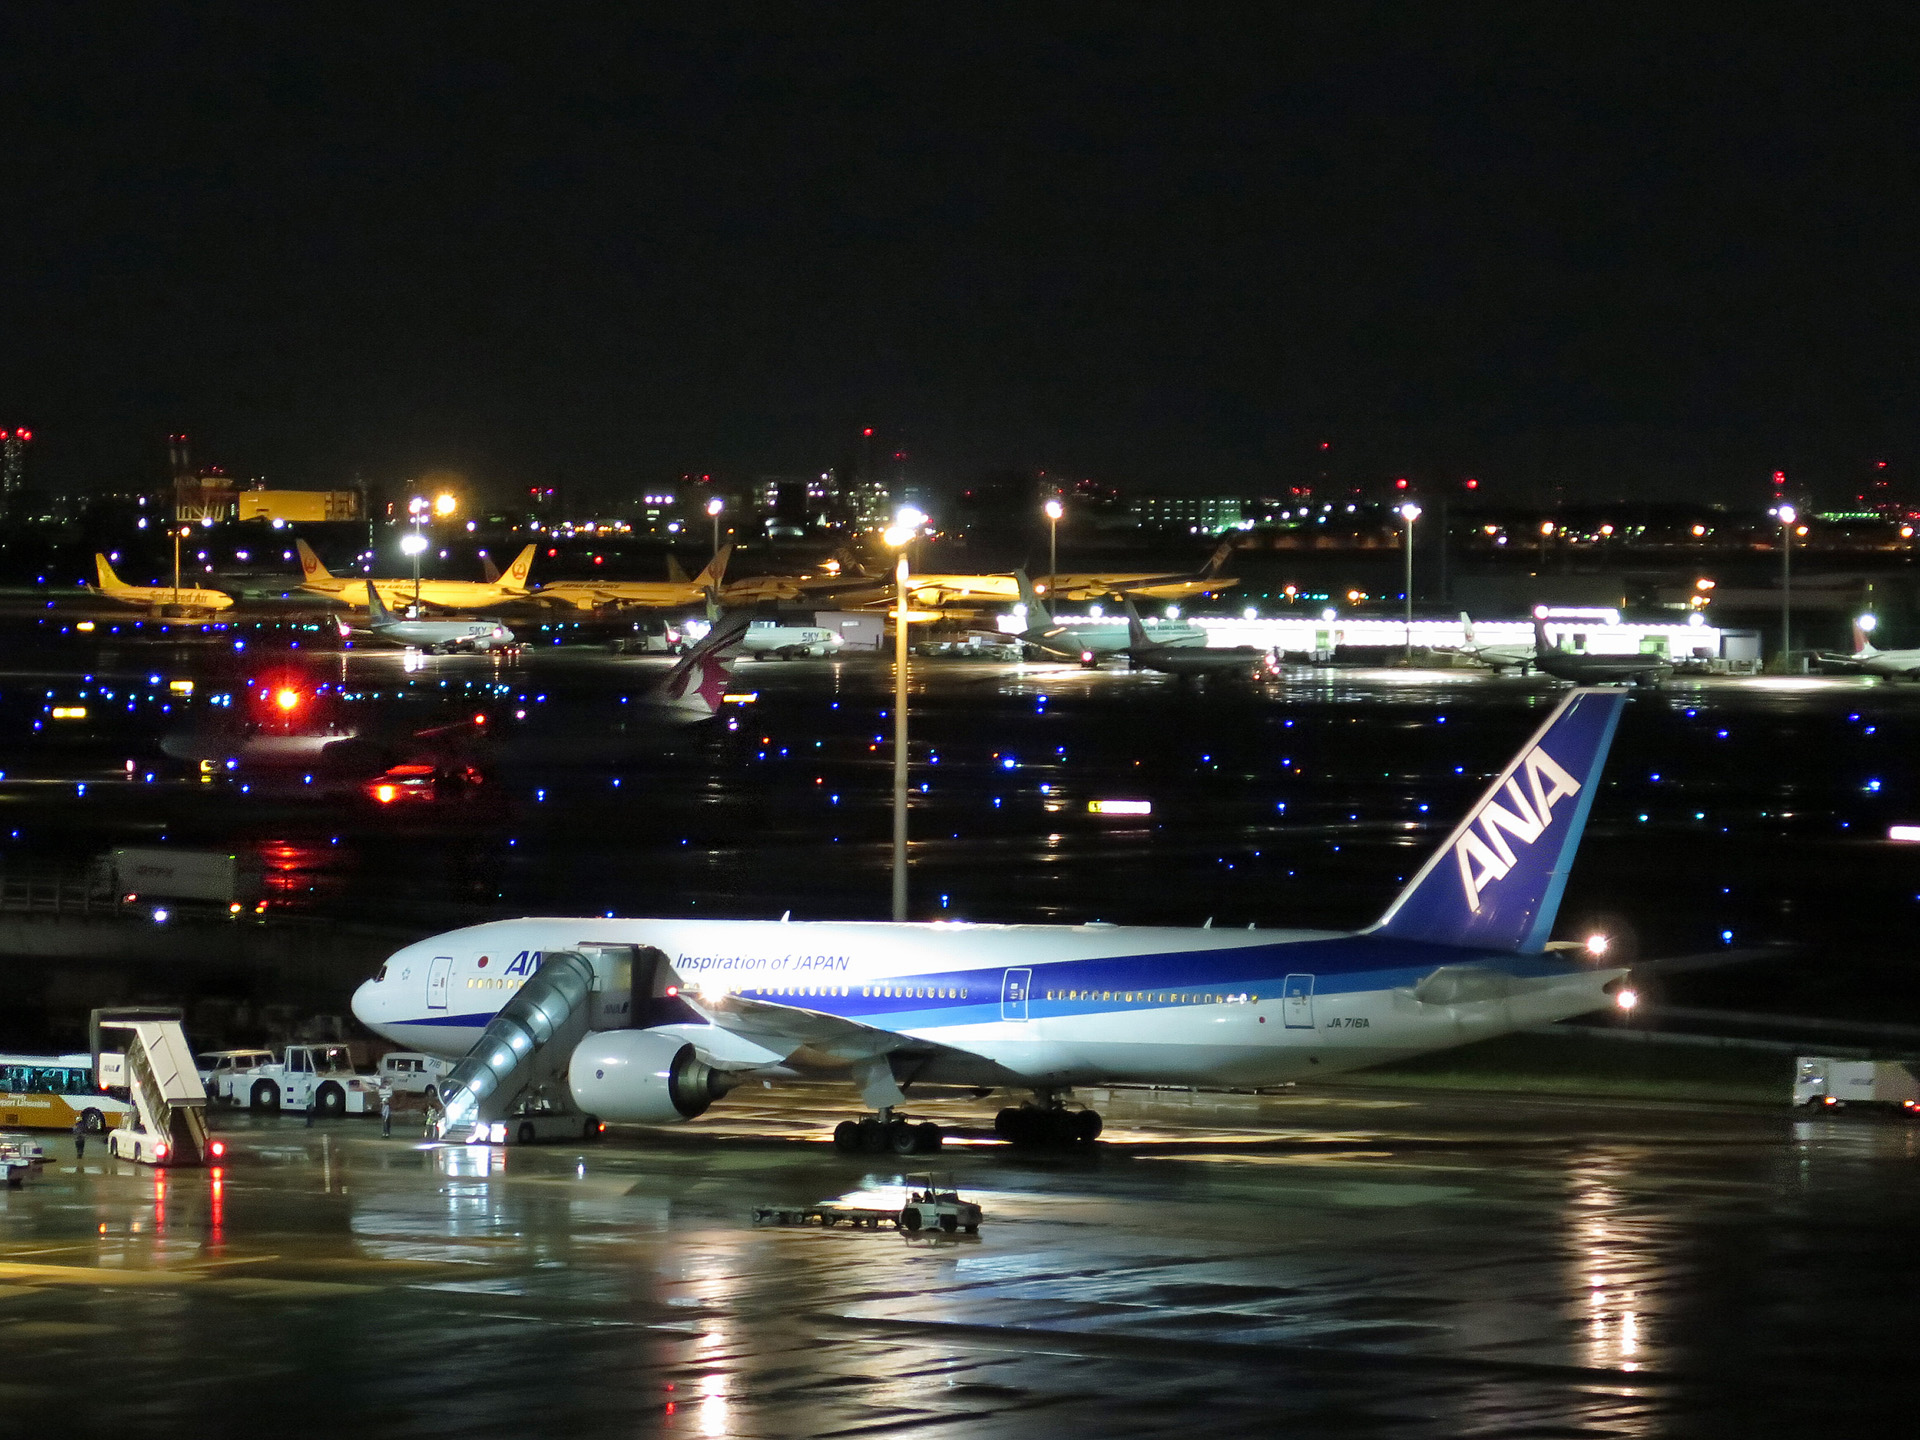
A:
(365, 1007)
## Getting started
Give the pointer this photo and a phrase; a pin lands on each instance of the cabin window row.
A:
(490, 982)
(1153, 997)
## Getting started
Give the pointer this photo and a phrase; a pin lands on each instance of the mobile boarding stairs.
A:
(144, 1051)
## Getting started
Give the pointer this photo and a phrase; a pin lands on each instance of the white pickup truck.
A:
(320, 1076)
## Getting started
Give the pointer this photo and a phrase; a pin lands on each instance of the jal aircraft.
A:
(351, 590)
(1207, 580)
(1889, 664)
(184, 597)
(432, 636)
(1460, 955)
(648, 594)
(1497, 658)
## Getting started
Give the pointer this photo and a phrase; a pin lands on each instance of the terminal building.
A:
(1593, 631)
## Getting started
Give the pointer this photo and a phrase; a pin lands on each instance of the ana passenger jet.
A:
(1461, 954)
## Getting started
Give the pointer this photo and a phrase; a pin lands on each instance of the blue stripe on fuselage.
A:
(1342, 965)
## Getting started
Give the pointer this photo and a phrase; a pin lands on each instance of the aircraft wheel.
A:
(929, 1138)
(902, 1138)
(846, 1137)
(873, 1137)
(1087, 1126)
(1007, 1124)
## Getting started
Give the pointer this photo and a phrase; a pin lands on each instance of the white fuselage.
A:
(1008, 1004)
(444, 634)
(788, 641)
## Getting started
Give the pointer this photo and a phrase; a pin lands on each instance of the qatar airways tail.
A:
(652, 1020)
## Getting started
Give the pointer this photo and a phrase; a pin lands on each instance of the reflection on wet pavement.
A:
(1426, 1264)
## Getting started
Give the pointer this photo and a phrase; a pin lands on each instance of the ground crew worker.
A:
(80, 1138)
(386, 1111)
(309, 1112)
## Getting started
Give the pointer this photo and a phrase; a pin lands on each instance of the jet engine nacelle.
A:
(642, 1077)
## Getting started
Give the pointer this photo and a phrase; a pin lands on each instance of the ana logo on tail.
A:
(1483, 851)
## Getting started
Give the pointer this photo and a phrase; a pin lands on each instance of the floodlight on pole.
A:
(412, 544)
(444, 505)
(1053, 510)
(1409, 513)
(714, 507)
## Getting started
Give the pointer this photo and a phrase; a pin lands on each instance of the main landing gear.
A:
(884, 1134)
(1049, 1124)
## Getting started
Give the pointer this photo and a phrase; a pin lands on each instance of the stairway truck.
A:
(143, 1051)
(320, 1077)
(1825, 1083)
(166, 872)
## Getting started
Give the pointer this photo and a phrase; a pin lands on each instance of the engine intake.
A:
(642, 1077)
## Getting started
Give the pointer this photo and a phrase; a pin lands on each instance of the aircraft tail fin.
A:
(1136, 631)
(377, 612)
(1038, 616)
(676, 572)
(1496, 882)
(519, 571)
(715, 573)
(1540, 645)
(1466, 623)
(488, 569)
(1217, 561)
(1863, 648)
(695, 686)
(109, 582)
(310, 567)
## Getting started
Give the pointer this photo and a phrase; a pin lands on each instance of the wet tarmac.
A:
(1308, 1263)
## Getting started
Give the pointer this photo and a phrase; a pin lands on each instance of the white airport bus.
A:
(51, 1092)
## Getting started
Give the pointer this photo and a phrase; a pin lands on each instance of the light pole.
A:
(1054, 511)
(419, 507)
(905, 526)
(1409, 512)
(714, 507)
(1787, 516)
(412, 544)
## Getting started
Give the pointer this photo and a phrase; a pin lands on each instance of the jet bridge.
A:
(145, 1051)
(514, 1079)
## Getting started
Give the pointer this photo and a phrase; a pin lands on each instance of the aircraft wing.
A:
(787, 1029)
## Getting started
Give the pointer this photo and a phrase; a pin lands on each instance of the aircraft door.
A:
(1014, 989)
(1296, 1002)
(437, 982)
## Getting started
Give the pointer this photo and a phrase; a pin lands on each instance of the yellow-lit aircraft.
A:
(651, 594)
(184, 597)
(443, 594)
(1097, 585)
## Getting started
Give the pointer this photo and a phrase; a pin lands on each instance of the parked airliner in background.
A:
(184, 597)
(1461, 954)
(1497, 658)
(432, 636)
(770, 640)
(398, 594)
(1889, 664)
(1088, 641)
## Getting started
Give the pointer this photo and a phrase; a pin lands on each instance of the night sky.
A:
(1618, 253)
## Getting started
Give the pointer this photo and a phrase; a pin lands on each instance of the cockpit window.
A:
(381, 976)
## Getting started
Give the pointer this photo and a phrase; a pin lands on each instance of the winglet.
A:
(1496, 882)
